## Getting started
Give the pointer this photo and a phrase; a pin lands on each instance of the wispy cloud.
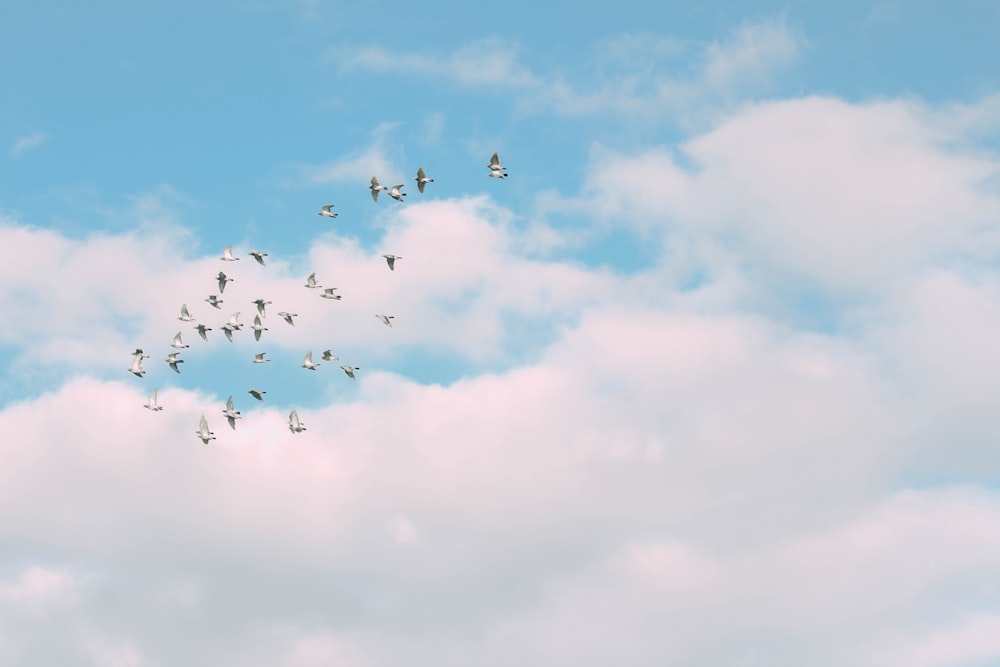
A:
(28, 142)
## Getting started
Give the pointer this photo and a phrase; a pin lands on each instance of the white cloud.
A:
(28, 142)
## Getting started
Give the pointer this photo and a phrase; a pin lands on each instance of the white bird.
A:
(422, 179)
(258, 255)
(257, 393)
(203, 431)
(232, 414)
(136, 368)
(497, 174)
(234, 321)
(326, 212)
(260, 306)
(288, 317)
(257, 327)
(350, 370)
(227, 330)
(396, 194)
(391, 261)
(328, 294)
(151, 403)
(385, 319)
(227, 254)
(294, 425)
(185, 316)
(375, 188)
(307, 362)
(311, 282)
(172, 361)
(259, 358)
(214, 301)
(495, 164)
(328, 355)
(201, 329)
(178, 343)
(222, 281)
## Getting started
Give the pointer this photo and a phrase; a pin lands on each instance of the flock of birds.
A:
(295, 425)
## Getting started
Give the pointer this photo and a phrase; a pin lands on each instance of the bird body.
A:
(136, 368)
(214, 301)
(172, 361)
(257, 327)
(151, 403)
(259, 358)
(350, 370)
(328, 294)
(288, 317)
(260, 306)
(311, 282)
(326, 212)
(395, 193)
(328, 355)
(178, 343)
(294, 425)
(308, 363)
(231, 413)
(375, 188)
(227, 254)
(422, 179)
(203, 431)
(257, 393)
(201, 329)
(222, 281)
(391, 261)
(185, 316)
(259, 256)
(386, 319)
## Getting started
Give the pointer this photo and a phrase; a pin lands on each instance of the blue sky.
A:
(718, 356)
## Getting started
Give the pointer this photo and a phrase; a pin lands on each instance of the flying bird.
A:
(307, 362)
(259, 358)
(178, 343)
(311, 281)
(201, 329)
(495, 164)
(288, 317)
(375, 188)
(391, 261)
(214, 301)
(232, 414)
(326, 212)
(328, 294)
(185, 316)
(258, 255)
(422, 179)
(328, 355)
(257, 393)
(386, 319)
(136, 368)
(350, 370)
(172, 361)
(257, 327)
(294, 425)
(203, 431)
(260, 306)
(227, 330)
(151, 403)
(227, 254)
(396, 194)
(497, 174)
(222, 281)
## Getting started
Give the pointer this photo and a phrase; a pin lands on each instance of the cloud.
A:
(28, 142)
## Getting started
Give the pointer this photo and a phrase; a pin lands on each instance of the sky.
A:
(709, 379)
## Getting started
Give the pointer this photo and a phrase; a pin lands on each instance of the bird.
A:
(350, 370)
(228, 329)
(234, 320)
(385, 319)
(257, 393)
(214, 301)
(288, 317)
(258, 255)
(151, 403)
(294, 425)
(307, 362)
(375, 188)
(185, 316)
(396, 194)
(203, 431)
(232, 414)
(172, 361)
(222, 281)
(326, 212)
(497, 174)
(257, 327)
(422, 179)
(311, 281)
(391, 261)
(178, 343)
(495, 164)
(227, 254)
(328, 294)
(328, 355)
(259, 358)
(136, 368)
(201, 329)
(260, 306)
